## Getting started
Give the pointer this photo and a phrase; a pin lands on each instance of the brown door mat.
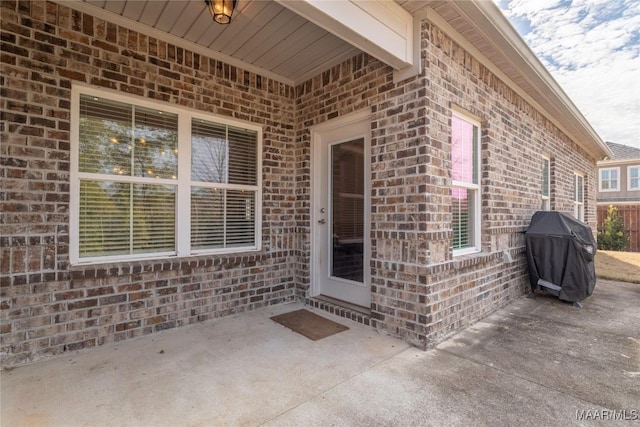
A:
(309, 324)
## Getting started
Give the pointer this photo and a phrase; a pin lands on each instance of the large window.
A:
(546, 184)
(609, 179)
(465, 192)
(151, 180)
(578, 197)
(633, 180)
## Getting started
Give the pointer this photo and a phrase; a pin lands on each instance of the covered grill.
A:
(560, 256)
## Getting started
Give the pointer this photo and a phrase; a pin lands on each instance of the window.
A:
(578, 199)
(609, 179)
(546, 184)
(465, 192)
(633, 179)
(150, 180)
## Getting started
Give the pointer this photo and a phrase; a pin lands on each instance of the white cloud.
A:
(609, 97)
(591, 47)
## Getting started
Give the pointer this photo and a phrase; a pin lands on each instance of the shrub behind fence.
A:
(630, 215)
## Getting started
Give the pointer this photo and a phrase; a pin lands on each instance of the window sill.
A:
(472, 259)
(464, 252)
(128, 266)
(163, 256)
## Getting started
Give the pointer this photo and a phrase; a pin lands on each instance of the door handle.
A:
(322, 221)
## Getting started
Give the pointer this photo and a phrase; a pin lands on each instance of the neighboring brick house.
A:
(158, 177)
(619, 185)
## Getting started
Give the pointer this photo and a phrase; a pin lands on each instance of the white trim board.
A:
(383, 29)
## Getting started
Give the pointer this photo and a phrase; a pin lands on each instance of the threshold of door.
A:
(341, 308)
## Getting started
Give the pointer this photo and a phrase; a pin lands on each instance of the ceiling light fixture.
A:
(221, 10)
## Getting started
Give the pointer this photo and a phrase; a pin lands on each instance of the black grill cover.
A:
(560, 251)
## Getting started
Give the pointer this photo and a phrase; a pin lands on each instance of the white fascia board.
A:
(380, 28)
(621, 162)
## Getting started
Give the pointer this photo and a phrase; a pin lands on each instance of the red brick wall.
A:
(351, 86)
(419, 291)
(49, 306)
(464, 289)
(630, 217)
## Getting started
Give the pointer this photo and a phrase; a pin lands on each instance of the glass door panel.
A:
(347, 210)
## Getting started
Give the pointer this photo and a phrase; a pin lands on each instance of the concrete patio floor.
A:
(535, 362)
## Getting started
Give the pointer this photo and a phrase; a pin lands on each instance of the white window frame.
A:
(629, 187)
(183, 182)
(476, 188)
(600, 180)
(578, 205)
(546, 199)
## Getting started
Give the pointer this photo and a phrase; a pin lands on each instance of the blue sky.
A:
(592, 49)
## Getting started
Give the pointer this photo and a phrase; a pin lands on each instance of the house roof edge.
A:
(583, 133)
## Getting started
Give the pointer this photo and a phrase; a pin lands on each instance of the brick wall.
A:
(419, 291)
(49, 306)
(464, 289)
(514, 135)
(351, 86)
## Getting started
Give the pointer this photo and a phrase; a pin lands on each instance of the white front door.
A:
(340, 246)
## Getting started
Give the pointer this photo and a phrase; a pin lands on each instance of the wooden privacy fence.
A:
(630, 215)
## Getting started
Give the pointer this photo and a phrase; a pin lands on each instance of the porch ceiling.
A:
(262, 33)
(270, 39)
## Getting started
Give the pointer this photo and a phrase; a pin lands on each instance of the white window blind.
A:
(579, 189)
(124, 151)
(126, 181)
(347, 199)
(223, 173)
(462, 217)
(546, 184)
(579, 198)
(465, 192)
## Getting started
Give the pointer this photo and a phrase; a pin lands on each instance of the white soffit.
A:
(380, 28)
